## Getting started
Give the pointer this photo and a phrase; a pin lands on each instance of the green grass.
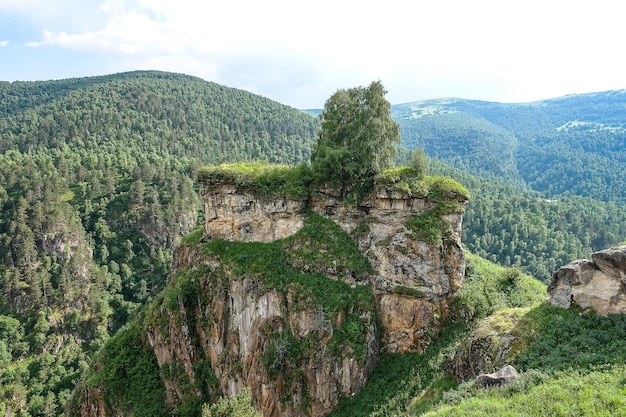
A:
(573, 364)
(266, 181)
(411, 384)
(488, 287)
(399, 379)
(595, 392)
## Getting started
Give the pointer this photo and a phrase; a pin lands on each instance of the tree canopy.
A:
(356, 138)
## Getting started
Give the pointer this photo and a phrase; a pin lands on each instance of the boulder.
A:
(496, 341)
(506, 375)
(598, 284)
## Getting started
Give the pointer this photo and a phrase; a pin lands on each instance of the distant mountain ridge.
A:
(571, 145)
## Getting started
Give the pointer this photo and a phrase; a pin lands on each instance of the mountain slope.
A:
(573, 145)
(97, 185)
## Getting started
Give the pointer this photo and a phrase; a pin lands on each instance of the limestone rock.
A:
(599, 284)
(506, 375)
(401, 261)
(243, 217)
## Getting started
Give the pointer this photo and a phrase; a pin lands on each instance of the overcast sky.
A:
(299, 53)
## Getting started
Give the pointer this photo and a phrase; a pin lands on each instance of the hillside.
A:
(572, 145)
(97, 186)
(524, 229)
(546, 176)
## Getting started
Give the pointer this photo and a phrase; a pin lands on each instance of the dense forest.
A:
(546, 177)
(574, 145)
(98, 185)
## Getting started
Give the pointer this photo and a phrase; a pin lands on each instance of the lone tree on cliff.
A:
(356, 139)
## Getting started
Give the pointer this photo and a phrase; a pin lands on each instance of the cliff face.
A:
(269, 298)
(414, 280)
(278, 342)
(599, 283)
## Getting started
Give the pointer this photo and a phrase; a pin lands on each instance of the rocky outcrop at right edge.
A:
(598, 284)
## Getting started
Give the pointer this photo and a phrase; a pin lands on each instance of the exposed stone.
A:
(495, 342)
(243, 217)
(599, 284)
(435, 272)
(504, 376)
(236, 321)
(236, 328)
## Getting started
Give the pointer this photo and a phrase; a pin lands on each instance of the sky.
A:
(300, 53)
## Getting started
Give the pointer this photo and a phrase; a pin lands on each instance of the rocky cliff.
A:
(598, 284)
(294, 298)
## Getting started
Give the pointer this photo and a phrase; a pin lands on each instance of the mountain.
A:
(572, 145)
(546, 176)
(97, 186)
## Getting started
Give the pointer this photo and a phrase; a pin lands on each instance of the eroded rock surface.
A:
(414, 280)
(507, 375)
(598, 284)
(494, 343)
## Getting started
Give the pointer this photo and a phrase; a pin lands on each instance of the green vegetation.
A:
(599, 392)
(410, 384)
(489, 287)
(129, 372)
(525, 230)
(97, 186)
(573, 365)
(546, 177)
(450, 198)
(262, 179)
(236, 406)
(356, 139)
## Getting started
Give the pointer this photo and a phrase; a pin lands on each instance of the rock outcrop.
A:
(414, 281)
(306, 334)
(507, 375)
(598, 284)
(274, 342)
(494, 343)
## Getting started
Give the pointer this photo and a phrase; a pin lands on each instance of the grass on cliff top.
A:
(262, 179)
(270, 181)
(436, 188)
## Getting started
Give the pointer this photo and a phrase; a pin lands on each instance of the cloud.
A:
(4, 43)
(300, 53)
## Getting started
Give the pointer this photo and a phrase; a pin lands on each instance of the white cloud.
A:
(299, 53)
(4, 43)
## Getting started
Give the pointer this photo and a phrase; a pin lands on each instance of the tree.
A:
(356, 139)
(419, 163)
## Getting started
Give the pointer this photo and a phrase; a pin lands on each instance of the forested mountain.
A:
(573, 145)
(546, 178)
(97, 185)
(523, 229)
